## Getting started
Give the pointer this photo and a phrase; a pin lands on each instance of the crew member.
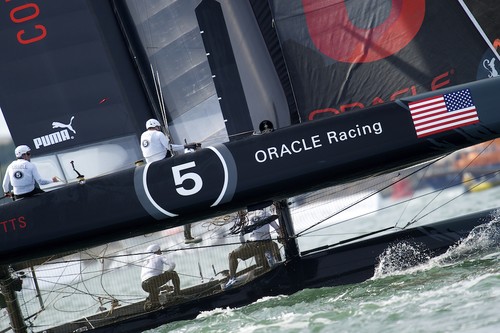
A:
(153, 276)
(266, 126)
(155, 145)
(260, 245)
(23, 176)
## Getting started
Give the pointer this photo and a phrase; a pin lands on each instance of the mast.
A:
(287, 229)
(7, 287)
(292, 254)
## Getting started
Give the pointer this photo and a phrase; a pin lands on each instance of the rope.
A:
(361, 200)
(416, 218)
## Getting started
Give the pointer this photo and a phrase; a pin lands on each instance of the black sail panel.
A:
(223, 63)
(484, 12)
(66, 78)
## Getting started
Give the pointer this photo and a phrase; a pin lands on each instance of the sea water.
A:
(458, 291)
(440, 296)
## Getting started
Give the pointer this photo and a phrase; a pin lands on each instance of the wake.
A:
(407, 257)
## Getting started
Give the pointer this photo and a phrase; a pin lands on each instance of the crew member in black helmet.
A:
(266, 126)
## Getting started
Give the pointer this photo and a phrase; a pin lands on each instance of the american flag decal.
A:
(443, 113)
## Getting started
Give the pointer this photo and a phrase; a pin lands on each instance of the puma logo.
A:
(57, 124)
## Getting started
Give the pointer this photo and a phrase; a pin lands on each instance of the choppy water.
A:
(464, 297)
(456, 292)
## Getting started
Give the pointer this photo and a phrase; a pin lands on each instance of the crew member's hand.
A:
(193, 145)
(55, 179)
(8, 194)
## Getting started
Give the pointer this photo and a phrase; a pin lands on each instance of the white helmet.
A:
(22, 149)
(153, 248)
(152, 123)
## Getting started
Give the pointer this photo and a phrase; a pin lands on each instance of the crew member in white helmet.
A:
(155, 145)
(22, 175)
(153, 276)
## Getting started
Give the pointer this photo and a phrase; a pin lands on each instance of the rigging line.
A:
(33, 316)
(162, 105)
(83, 281)
(325, 247)
(126, 255)
(452, 199)
(137, 262)
(101, 281)
(103, 272)
(25, 304)
(416, 218)
(338, 223)
(355, 203)
(156, 86)
(427, 168)
(220, 221)
(427, 165)
(488, 176)
(348, 187)
(74, 289)
(71, 311)
(188, 275)
(334, 214)
(61, 286)
(346, 208)
(64, 295)
(133, 254)
(54, 284)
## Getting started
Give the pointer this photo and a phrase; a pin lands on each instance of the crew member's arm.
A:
(39, 179)
(277, 228)
(170, 146)
(170, 264)
(6, 183)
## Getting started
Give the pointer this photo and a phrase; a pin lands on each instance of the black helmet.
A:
(266, 126)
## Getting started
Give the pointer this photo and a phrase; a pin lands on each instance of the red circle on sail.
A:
(335, 35)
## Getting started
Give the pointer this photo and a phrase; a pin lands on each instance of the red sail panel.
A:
(345, 55)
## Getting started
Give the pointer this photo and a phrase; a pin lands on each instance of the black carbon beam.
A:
(226, 177)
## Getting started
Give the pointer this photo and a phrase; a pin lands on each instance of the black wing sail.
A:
(336, 51)
(69, 87)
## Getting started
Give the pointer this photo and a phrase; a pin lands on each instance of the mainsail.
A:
(320, 58)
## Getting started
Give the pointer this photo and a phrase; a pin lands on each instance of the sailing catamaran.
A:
(80, 78)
